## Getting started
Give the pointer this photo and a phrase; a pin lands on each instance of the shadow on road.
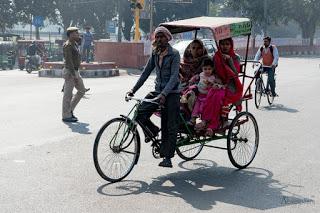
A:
(280, 107)
(203, 184)
(79, 127)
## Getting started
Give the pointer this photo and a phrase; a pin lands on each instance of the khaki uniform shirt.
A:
(72, 57)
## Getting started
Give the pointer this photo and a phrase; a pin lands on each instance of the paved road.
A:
(47, 166)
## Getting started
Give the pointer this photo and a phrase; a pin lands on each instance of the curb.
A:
(57, 73)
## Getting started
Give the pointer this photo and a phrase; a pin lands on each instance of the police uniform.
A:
(72, 78)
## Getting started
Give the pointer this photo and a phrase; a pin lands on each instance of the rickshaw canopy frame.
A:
(221, 27)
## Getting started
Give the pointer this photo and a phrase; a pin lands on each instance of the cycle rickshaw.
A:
(117, 145)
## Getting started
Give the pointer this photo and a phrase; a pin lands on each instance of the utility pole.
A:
(137, 5)
(30, 26)
(151, 18)
(265, 15)
(137, 23)
(120, 21)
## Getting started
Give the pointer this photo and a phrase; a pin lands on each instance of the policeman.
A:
(72, 78)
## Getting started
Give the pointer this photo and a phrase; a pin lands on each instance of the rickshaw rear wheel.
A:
(189, 152)
(243, 140)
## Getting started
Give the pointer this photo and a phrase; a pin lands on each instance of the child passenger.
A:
(206, 80)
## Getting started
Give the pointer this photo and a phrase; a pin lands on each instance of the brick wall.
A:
(131, 55)
(126, 55)
(284, 51)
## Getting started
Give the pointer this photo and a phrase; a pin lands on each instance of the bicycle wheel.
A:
(270, 98)
(258, 93)
(116, 149)
(189, 152)
(243, 140)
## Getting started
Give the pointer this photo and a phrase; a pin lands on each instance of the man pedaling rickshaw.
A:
(166, 61)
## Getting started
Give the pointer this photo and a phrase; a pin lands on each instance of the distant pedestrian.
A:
(87, 40)
(71, 75)
(270, 57)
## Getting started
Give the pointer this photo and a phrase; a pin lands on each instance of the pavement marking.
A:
(19, 161)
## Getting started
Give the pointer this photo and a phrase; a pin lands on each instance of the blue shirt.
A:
(87, 39)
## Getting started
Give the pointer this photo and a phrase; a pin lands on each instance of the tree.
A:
(306, 14)
(175, 11)
(262, 12)
(127, 17)
(26, 9)
(80, 13)
(165, 11)
(7, 15)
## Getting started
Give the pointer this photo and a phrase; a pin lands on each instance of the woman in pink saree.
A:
(216, 106)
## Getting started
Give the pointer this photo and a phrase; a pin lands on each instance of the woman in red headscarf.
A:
(227, 67)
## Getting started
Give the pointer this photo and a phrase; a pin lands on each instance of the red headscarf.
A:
(226, 74)
(222, 68)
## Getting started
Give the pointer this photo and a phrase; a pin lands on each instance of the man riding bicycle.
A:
(166, 61)
(270, 57)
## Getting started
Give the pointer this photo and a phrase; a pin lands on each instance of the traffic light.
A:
(136, 4)
(140, 4)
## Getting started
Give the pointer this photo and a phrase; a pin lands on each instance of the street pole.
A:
(137, 22)
(265, 10)
(30, 27)
(119, 22)
(151, 18)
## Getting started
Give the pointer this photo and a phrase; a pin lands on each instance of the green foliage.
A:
(7, 15)
(305, 13)
(25, 8)
(83, 13)
(172, 11)
(254, 9)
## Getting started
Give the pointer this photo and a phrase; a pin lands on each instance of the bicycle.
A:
(261, 87)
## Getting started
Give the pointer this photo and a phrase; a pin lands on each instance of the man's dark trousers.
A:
(271, 82)
(169, 121)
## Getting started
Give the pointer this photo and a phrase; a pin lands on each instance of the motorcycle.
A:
(32, 63)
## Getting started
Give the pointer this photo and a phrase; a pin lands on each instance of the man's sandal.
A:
(209, 132)
(201, 126)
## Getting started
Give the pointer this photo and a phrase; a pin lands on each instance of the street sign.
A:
(111, 27)
(37, 21)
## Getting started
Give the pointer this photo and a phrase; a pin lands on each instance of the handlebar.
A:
(140, 100)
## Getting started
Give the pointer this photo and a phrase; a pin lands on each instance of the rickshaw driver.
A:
(166, 61)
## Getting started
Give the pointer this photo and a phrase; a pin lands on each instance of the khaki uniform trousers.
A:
(70, 101)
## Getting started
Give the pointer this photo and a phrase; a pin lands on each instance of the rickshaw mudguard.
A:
(136, 134)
